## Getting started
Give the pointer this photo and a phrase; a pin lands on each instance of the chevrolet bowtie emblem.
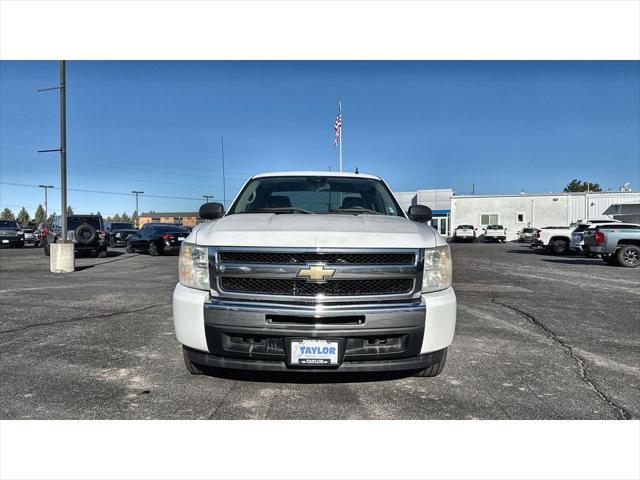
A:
(316, 273)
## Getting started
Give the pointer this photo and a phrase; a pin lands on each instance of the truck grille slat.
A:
(296, 258)
(303, 288)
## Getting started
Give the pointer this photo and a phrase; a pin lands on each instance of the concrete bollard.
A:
(63, 259)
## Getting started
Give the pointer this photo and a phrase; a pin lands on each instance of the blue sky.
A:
(156, 126)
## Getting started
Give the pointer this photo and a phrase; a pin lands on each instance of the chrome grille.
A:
(282, 274)
(329, 258)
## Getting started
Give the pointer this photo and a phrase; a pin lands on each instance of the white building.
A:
(514, 211)
(534, 210)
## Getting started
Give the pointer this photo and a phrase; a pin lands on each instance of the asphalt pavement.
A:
(538, 337)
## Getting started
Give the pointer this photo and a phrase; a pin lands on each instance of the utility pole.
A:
(136, 193)
(207, 197)
(224, 186)
(46, 208)
(62, 256)
(63, 144)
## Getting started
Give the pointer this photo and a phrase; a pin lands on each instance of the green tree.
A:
(7, 214)
(23, 217)
(69, 210)
(51, 217)
(115, 218)
(124, 217)
(39, 215)
(576, 185)
(109, 219)
(134, 218)
(98, 213)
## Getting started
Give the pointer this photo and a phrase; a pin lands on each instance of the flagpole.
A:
(340, 110)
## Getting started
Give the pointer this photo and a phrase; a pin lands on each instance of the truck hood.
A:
(316, 231)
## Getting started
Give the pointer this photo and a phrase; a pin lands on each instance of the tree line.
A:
(23, 217)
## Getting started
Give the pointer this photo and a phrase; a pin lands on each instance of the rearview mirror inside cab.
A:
(211, 211)
(419, 213)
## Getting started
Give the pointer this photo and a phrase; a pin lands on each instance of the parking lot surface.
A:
(538, 337)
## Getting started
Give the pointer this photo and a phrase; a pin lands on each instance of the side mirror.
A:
(211, 211)
(420, 213)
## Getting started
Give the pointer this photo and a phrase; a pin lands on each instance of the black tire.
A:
(129, 248)
(112, 242)
(153, 249)
(47, 249)
(559, 247)
(628, 256)
(85, 234)
(192, 368)
(436, 368)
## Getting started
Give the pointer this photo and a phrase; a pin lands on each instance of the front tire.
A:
(192, 368)
(436, 368)
(628, 256)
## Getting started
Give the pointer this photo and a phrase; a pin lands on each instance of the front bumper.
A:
(11, 240)
(374, 337)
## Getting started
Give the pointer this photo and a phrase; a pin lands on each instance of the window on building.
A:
(489, 219)
(520, 217)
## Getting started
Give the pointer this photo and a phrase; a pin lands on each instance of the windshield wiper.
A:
(356, 210)
(281, 210)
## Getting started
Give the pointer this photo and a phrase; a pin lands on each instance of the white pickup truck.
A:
(315, 272)
(553, 239)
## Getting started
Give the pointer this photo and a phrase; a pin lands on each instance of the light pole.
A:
(136, 193)
(46, 209)
(207, 197)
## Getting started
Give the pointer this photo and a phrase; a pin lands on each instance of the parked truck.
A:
(553, 239)
(315, 272)
(617, 244)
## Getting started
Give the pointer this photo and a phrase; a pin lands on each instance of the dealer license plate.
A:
(310, 352)
(5, 241)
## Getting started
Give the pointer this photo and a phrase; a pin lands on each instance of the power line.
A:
(103, 192)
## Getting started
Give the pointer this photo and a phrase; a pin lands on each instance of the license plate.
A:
(312, 352)
(180, 239)
(5, 241)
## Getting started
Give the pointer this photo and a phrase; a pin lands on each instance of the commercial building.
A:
(188, 219)
(517, 211)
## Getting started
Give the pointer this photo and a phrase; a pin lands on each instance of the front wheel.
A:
(436, 368)
(629, 256)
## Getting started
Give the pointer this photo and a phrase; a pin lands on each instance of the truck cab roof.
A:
(316, 174)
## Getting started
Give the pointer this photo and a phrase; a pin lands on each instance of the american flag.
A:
(338, 128)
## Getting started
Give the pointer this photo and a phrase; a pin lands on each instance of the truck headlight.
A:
(437, 272)
(193, 266)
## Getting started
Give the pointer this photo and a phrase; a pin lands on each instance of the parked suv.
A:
(11, 234)
(527, 234)
(315, 272)
(577, 241)
(86, 231)
(118, 233)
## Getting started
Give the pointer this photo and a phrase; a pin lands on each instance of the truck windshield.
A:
(8, 224)
(316, 194)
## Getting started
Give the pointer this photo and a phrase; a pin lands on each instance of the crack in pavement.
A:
(570, 351)
(214, 414)
(79, 319)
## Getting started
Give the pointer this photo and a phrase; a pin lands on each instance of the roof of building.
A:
(170, 214)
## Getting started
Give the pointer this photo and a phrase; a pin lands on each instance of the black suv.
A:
(86, 231)
(11, 234)
(118, 233)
